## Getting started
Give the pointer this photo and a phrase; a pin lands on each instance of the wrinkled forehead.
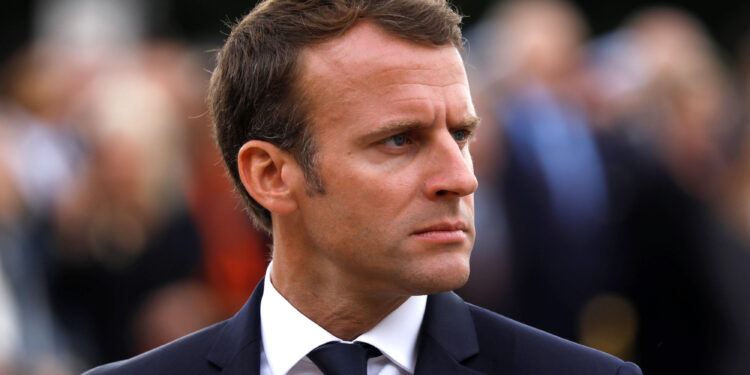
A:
(366, 54)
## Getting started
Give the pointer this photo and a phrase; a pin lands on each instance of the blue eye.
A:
(460, 135)
(397, 140)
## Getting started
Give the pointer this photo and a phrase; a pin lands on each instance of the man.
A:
(345, 125)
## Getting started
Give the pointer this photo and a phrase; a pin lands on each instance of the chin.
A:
(443, 278)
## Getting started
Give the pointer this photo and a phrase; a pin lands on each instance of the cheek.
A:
(371, 188)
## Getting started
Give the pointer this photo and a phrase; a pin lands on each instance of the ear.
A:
(267, 173)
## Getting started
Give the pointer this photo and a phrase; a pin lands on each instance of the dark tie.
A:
(339, 358)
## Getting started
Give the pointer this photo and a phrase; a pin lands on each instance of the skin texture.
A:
(392, 121)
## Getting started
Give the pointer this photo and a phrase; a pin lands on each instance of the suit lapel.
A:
(237, 347)
(448, 337)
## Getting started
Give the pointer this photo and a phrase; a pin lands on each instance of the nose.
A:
(451, 173)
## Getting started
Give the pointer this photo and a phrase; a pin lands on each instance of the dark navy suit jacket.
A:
(456, 338)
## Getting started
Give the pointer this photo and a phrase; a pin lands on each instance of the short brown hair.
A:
(253, 93)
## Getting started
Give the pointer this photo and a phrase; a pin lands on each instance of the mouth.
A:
(444, 232)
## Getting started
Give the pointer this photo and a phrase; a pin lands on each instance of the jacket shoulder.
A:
(527, 350)
(186, 355)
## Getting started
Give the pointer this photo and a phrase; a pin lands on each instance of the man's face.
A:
(392, 122)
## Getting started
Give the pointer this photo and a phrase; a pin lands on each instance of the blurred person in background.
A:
(55, 286)
(123, 229)
(612, 172)
(672, 97)
(40, 153)
(107, 234)
(667, 111)
(551, 179)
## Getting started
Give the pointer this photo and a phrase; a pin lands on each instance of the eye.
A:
(461, 135)
(397, 140)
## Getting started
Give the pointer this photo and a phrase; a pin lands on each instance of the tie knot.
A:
(339, 358)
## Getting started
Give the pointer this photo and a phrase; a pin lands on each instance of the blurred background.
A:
(613, 160)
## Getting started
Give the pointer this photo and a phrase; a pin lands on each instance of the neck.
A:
(344, 307)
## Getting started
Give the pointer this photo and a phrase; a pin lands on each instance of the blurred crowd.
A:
(118, 228)
(613, 208)
(616, 169)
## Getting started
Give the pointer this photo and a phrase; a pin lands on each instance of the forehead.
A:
(368, 58)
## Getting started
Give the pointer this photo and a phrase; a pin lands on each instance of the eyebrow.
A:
(390, 129)
(470, 123)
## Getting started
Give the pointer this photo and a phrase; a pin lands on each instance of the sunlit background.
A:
(613, 160)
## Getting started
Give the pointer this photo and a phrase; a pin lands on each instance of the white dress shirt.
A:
(288, 336)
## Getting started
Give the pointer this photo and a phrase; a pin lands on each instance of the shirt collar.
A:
(288, 335)
(396, 335)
